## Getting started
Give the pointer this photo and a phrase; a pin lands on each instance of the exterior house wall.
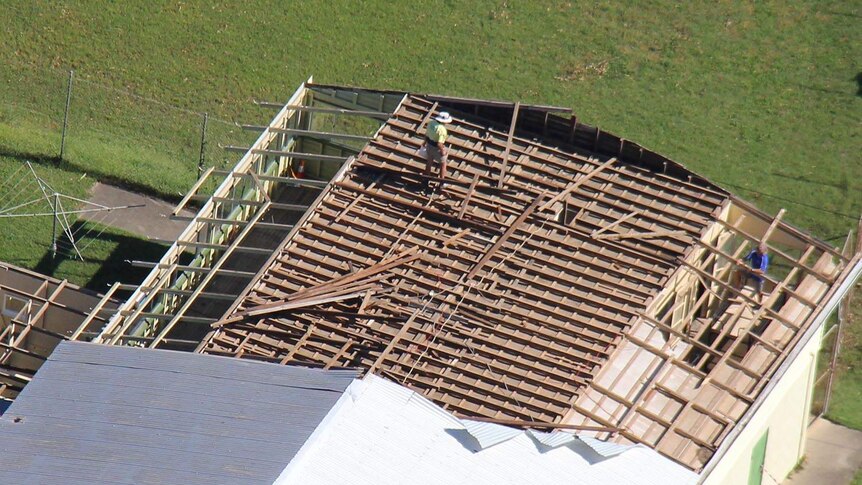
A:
(784, 414)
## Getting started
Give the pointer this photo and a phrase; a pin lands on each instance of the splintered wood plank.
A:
(426, 118)
(615, 223)
(502, 239)
(641, 235)
(577, 183)
(466, 202)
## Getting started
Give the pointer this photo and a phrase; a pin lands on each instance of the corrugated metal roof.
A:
(604, 448)
(99, 414)
(489, 434)
(553, 439)
(389, 434)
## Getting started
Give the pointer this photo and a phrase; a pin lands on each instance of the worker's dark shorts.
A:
(756, 279)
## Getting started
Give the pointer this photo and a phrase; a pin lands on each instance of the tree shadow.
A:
(54, 161)
(857, 78)
(824, 90)
(116, 266)
(844, 14)
(809, 180)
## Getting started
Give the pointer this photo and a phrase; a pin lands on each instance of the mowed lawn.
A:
(764, 98)
(760, 96)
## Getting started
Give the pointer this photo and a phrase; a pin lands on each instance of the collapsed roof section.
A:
(499, 294)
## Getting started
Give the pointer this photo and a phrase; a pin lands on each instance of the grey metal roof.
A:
(104, 414)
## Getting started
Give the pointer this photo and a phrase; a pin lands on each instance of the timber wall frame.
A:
(706, 349)
(159, 313)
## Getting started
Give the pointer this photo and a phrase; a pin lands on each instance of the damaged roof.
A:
(558, 274)
(498, 294)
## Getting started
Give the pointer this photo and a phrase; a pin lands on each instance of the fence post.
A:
(66, 115)
(202, 159)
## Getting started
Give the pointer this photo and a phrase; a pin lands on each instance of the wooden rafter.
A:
(505, 161)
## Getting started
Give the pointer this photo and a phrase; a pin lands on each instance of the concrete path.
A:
(833, 454)
(152, 220)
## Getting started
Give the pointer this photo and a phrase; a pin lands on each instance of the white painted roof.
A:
(383, 433)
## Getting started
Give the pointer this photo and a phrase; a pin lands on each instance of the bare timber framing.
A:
(36, 313)
(245, 218)
(560, 275)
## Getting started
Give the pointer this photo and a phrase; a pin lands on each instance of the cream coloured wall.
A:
(785, 414)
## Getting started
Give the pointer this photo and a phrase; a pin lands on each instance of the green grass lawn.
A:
(764, 98)
(846, 405)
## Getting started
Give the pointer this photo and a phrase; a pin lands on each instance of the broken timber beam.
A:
(641, 235)
(290, 305)
(577, 183)
(466, 202)
(615, 223)
(407, 256)
(502, 239)
(401, 332)
(538, 424)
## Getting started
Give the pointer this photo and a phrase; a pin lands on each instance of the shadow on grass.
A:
(71, 166)
(844, 14)
(826, 91)
(858, 79)
(115, 266)
(808, 180)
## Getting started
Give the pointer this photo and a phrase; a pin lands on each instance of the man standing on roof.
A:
(758, 261)
(435, 139)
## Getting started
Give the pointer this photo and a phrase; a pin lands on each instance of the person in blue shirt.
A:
(755, 270)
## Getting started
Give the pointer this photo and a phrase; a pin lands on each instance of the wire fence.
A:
(110, 133)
